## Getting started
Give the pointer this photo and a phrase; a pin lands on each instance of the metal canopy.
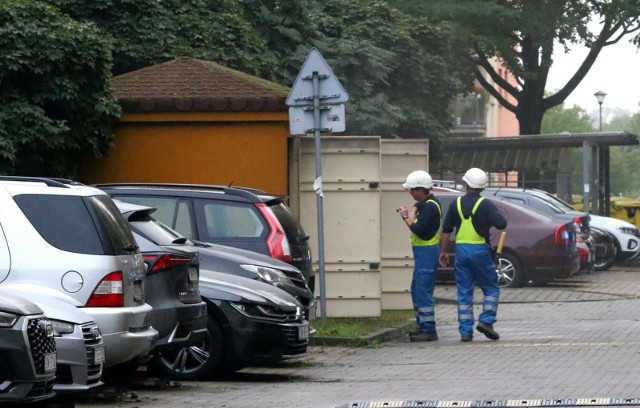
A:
(539, 152)
(499, 154)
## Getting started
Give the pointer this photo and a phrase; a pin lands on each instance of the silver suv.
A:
(70, 242)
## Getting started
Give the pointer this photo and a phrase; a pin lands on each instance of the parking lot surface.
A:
(575, 342)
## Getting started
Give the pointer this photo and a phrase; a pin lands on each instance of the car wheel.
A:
(606, 257)
(196, 361)
(510, 271)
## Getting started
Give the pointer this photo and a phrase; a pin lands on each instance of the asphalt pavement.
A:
(574, 342)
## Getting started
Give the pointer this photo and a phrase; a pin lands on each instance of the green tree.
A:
(560, 119)
(56, 106)
(145, 33)
(393, 66)
(522, 34)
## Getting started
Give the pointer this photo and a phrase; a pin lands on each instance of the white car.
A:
(625, 234)
(71, 243)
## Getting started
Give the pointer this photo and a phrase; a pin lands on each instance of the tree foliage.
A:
(392, 65)
(148, 32)
(522, 34)
(560, 119)
(56, 106)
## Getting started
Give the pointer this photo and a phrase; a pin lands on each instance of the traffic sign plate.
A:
(330, 91)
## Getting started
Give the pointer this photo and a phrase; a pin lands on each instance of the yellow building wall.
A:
(242, 149)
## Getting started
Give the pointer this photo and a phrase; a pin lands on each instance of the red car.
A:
(538, 248)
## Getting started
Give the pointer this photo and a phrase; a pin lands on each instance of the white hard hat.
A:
(475, 178)
(418, 178)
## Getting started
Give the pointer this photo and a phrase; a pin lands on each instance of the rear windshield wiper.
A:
(131, 248)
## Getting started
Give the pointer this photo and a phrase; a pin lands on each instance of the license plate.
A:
(98, 355)
(303, 332)
(193, 274)
(49, 362)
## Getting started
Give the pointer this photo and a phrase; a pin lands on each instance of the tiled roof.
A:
(192, 85)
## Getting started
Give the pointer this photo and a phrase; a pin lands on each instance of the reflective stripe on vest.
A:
(417, 241)
(467, 233)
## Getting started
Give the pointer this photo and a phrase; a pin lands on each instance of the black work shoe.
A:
(487, 330)
(424, 337)
(466, 338)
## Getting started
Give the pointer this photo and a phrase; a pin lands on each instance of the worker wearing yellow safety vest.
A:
(473, 216)
(423, 220)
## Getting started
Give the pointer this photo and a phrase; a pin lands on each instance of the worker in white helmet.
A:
(423, 220)
(473, 216)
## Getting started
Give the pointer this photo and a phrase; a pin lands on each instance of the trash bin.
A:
(627, 209)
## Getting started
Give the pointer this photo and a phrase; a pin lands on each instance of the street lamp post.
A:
(600, 97)
(603, 166)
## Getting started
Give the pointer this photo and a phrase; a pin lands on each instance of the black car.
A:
(27, 351)
(219, 258)
(248, 323)
(233, 216)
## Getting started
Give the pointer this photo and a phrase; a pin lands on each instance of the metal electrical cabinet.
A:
(351, 212)
(399, 158)
(368, 258)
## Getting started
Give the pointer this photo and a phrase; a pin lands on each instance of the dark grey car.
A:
(27, 351)
(219, 258)
(238, 217)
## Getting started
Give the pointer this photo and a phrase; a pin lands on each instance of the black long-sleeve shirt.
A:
(487, 215)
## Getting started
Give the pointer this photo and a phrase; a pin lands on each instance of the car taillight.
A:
(581, 224)
(277, 242)
(564, 236)
(109, 292)
(157, 263)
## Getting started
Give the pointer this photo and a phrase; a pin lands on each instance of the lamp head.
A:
(600, 96)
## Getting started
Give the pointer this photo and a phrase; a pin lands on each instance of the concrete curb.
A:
(380, 336)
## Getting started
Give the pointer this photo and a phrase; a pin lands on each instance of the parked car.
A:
(232, 216)
(27, 351)
(248, 322)
(171, 288)
(79, 345)
(219, 258)
(538, 248)
(71, 242)
(624, 234)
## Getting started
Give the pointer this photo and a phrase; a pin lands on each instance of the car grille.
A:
(92, 337)
(39, 343)
(295, 346)
(296, 278)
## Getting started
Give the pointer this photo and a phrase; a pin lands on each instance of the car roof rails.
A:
(50, 182)
(233, 190)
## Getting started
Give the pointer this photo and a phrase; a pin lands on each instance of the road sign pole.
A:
(304, 98)
(319, 194)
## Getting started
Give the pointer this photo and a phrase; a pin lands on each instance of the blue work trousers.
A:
(474, 264)
(422, 285)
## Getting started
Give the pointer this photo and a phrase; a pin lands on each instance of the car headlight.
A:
(265, 312)
(268, 275)
(60, 327)
(7, 319)
(628, 230)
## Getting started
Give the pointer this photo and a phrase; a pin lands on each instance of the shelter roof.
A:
(193, 85)
(499, 154)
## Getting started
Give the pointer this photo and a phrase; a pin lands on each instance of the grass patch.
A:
(360, 326)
